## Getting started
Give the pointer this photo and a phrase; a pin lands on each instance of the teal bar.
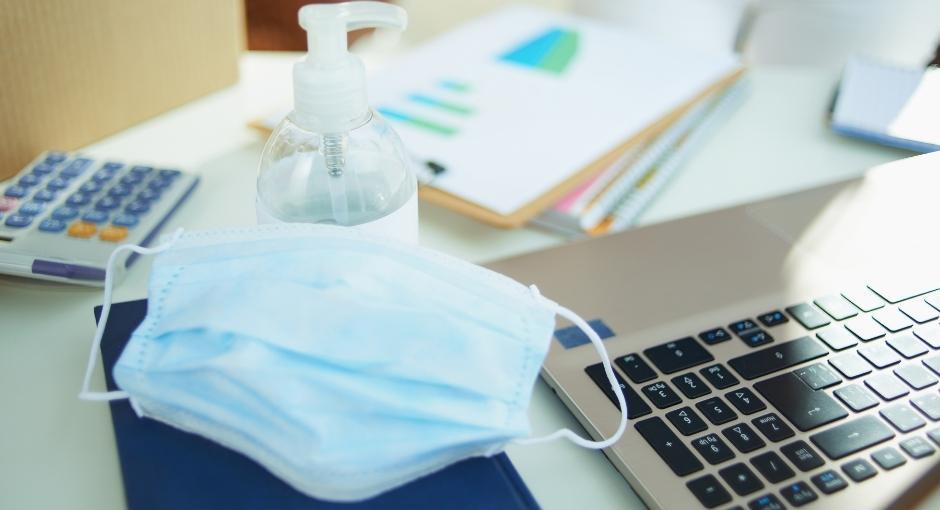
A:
(428, 125)
(441, 104)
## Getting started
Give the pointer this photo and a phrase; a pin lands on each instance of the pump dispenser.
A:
(333, 159)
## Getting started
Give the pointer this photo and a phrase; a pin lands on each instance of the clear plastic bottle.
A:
(334, 160)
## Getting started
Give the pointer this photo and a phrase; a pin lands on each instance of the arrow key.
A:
(745, 400)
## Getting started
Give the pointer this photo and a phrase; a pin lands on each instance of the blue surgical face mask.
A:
(344, 364)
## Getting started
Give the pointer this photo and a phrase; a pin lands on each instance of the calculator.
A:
(63, 215)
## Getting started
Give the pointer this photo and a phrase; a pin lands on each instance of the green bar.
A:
(456, 86)
(561, 54)
(440, 104)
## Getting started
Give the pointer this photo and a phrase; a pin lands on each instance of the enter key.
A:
(805, 407)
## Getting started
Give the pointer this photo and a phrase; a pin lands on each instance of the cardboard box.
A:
(73, 72)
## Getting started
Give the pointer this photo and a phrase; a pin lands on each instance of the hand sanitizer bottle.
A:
(334, 160)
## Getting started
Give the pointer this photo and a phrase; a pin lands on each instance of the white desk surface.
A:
(58, 452)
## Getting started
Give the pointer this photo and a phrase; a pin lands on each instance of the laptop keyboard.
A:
(868, 350)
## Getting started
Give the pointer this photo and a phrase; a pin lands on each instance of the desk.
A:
(58, 452)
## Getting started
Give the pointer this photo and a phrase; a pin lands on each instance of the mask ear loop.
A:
(608, 369)
(86, 393)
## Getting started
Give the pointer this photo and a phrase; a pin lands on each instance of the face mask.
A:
(344, 364)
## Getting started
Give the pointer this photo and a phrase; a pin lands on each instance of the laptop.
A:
(780, 354)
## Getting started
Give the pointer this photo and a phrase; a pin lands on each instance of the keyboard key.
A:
(631, 364)
(859, 470)
(125, 220)
(690, 385)
(82, 229)
(799, 494)
(902, 417)
(756, 337)
(669, 448)
(76, 167)
(850, 365)
(29, 180)
(865, 328)
(929, 404)
(852, 436)
(107, 204)
(678, 355)
(78, 200)
(766, 502)
(719, 376)
(917, 447)
(65, 213)
(935, 435)
(44, 195)
(43, 169)
(933, 363)
(713, 449)
(636, 407)
(158, 184)
(895, 290)
(53, 158)
(837, 338)
(879, 355)
(771, 319)
(112, 165)
(742, 480)
(686, 421)
(919, 311)
(743, 438)
(709, 491)
(32, 208)
(131, 180)
(95, 217)
(808, 316)
(907, 345)
(837, 307)
(772, 427)
(773, 468)
(779, 357)
(742, 325)
(716, 411)
(829, 481)
(887, 386)
(930, 335)
(817, 376)
(137, 207)
(745, 400)
(114, 234)
(864, 299)
(90, 187)
(57, 184)
(18, 220)
(892, 319)
(148, 195)
(15, 192)
(856, 397)
(119, 191)
(916, 376)
(102, 176)
(661, 395)
(52, 225)
(888, 458)
(805, 408)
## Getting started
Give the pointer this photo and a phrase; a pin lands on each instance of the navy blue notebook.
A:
(166, 468)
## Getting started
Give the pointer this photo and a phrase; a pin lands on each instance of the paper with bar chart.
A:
(518, 101)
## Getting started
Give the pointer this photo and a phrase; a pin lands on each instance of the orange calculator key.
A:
(113, 234)
(82, 229)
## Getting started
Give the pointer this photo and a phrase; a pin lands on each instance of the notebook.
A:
(889, 105)
(165, 468)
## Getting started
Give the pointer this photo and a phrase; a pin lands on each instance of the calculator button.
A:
(32, 208)
(125, 220)
(95, 217)
(112, 165)
(674, 356)
(57, 184)
(856, 397)
(709, 491)
(773, 427)
(120, 191)
(809, 317)
(829, 482)
(131, 179)
(745, 400)
(743, 438)
(661, 395)
(113, 234)
(741, 479)
(713, 449)
(766, 502)
(82, 229)
(15, 191)
(102, 176)
(78, 200)
(888, 458)
(675, 454)
(837, 307)
(44, 195)
(690, 385)
(148, 195)
(28, 180)
(141, 170)
(75, 167)
(771, 319)
(90, 187)
(8, 204)
(719, 376)
(802, 455)
(714, 336)
(43, 169)
(817, 376)
(65, 213)
(55, 157)
(137, 207)
(917, 447)
(158, 184)
(859, 470)
(18, 220)
(107, 204)
(687, 421)
(169, 173)
(635, 368)
(51, 225)
(716, 411)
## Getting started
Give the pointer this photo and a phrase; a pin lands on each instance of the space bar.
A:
(769, 360)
